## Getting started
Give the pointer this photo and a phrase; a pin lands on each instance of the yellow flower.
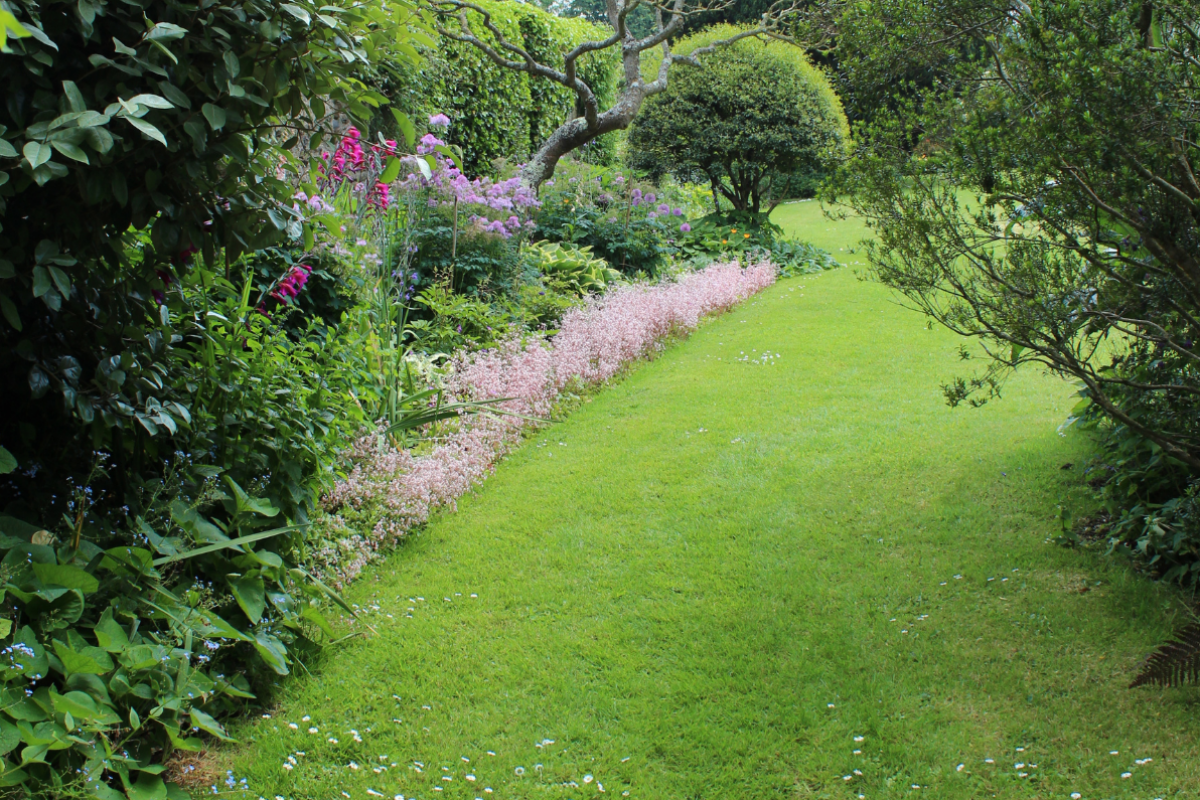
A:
(745, 235)
(734, 230)
(724, 241)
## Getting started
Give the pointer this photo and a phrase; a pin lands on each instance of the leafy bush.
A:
(755, 122)
(573, 268)
(633, 229)
(157, 620)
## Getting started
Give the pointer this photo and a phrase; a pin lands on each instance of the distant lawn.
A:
(805, 219)
(717, 575)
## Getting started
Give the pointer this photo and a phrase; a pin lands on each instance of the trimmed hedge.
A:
(499, 113)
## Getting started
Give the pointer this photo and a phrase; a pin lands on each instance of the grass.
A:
(714, 577)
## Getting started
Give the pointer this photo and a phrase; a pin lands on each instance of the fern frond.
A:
(1174, 663)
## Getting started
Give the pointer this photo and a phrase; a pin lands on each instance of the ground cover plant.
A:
(730, 575)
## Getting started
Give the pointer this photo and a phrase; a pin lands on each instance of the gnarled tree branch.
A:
(455, 20)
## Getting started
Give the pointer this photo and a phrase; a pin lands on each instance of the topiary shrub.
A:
(754, 122)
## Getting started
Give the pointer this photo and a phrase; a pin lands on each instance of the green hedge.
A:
(499, 113)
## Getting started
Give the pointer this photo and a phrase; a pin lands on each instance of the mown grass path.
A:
(714, 577)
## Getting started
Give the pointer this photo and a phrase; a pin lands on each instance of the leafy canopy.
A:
(748, 121)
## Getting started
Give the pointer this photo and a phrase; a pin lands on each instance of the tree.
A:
(749, 123)
(1050, 210)
(456, 19)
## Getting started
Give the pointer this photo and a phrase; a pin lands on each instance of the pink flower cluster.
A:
(595, 342)
(289, 288)
(351, 160)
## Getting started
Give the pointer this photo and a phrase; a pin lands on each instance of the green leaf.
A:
(297, 12)
(147, 787)
(9, 309)
(150, 101)
(82, 707)
(93, 661)
(41, 281)
(37, 153)
(66, 576)
(148, 129)
(60, 279)
(206, 723)
(7, 150)
(8, 463)
(192, 744)
(238, 542)
(272, 651)
(166, 32)
(71, 151)
(74, 96)
(109, 633)
(406, 126)
(318, 619)
(250, 595)
(392, 172)
(9, 737)
(215, 116)
(5, 627)
(9, 26)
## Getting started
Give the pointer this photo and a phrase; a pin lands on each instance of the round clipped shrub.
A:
(756, 121)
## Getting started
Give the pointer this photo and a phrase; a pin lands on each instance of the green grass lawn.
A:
(723, 579)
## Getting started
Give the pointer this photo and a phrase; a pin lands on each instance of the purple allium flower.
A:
(439, 121)
(677, 212)
(685, 228)
(663, 208)
(650, 198)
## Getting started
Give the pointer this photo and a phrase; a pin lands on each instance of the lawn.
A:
(770, 564)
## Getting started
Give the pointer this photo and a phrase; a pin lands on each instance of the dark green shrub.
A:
(755, 121)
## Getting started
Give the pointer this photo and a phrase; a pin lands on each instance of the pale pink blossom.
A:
(595, 343)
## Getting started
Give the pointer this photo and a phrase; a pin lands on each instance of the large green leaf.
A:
(9, 737)
(7, 462)
(66, 576)
(250, 594)
(92, 661)
(272, 651)
(110, 634)
(147, 787)
(206, 723)
(37, 153)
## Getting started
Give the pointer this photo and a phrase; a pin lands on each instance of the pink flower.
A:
(594, 344)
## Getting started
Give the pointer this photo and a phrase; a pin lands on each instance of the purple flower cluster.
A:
(449, 184)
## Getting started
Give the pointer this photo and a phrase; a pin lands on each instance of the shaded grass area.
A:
(714, 577)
